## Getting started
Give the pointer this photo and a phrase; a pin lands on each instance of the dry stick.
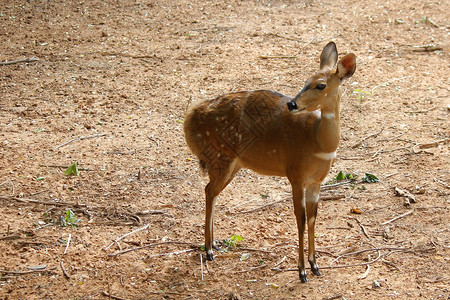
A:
(388, 82)
(365, 273)
(432, 145)
(332, 197)
(64, 167)
(201, 265)
(127, 234)
(172, 253)
(112, 296)
(338, 296)
(23, 272)
(398, 217)
(345, 266)
(261, 207)
(67, 244)
(328, 186)
(274, 268)
(27, 200)
(17, 61)
(251, 269)
(362, 228)
(393, 138)
(368, 137)
(81, 138)
(64, 270)
(146, 246)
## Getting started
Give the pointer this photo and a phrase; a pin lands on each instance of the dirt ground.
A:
(110, 89)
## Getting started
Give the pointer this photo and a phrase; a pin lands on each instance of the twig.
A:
(127, 234)
(393, 138)
(398, 217)
(338, 296)
(426, 48)
(171, 253)
(27, 200)
(146, 246)
(64, 167)
(17, 61)
(112, 296)
(67, 243)
(332, 197)
(365, 273)
(362, 228)
(154, 140)
(252, 268)
(275, 56)
(264, 206)
(279, 263)
(328, 186)
(24, 272)
(388, 82)
(81, 138)
(201, 265)
(431, 145)
(64, 270)
(367, 137)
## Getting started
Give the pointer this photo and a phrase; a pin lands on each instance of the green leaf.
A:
(69, 219)
(40, 178)
(237, 238)
(340, 176)
(72, 169)
(370, 178)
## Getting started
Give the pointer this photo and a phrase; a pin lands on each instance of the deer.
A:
(273, 134)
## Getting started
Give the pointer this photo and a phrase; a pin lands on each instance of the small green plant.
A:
(346, 176)
(69, 219)
(72, 169)
(370, 178)
(232, 242)
(361, 94)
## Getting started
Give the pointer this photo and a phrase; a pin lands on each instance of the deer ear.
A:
(346, 66)
(329, 56)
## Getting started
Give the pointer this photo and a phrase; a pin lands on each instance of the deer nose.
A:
(292, 105)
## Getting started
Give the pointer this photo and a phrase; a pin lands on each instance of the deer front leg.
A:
(312, 201)
(299, 210)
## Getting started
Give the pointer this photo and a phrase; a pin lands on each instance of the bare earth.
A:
(123, 74)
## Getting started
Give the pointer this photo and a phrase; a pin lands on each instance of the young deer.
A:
(276, 135)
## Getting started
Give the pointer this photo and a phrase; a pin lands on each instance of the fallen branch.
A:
(368, 137)
(147, 246)
(112, 296)
(64, 270)
(17, 61)
(27, 200)
(81, 138)
(171, 253)
(25, 272)
(127, 234)
(398, 217)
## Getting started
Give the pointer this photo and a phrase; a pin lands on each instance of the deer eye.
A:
(321, 86)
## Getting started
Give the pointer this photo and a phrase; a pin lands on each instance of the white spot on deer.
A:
(207, 133)
(325, 155)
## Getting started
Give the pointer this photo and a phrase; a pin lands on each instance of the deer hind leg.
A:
(312, 201)
(219, 179)
(299, 210)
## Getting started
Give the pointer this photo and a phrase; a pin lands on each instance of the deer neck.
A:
(328, 131)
